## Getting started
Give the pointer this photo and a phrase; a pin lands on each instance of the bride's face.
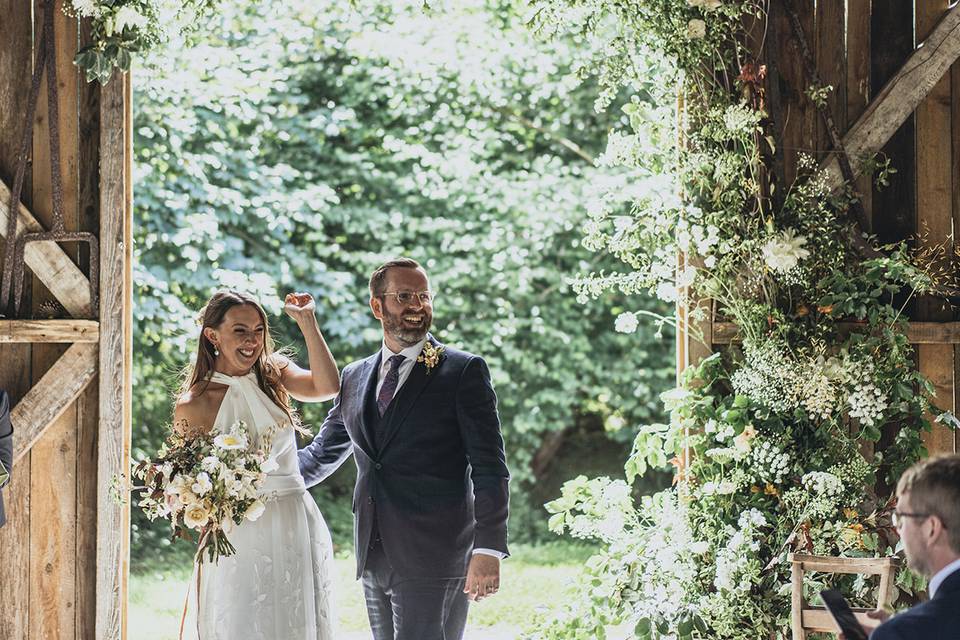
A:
(239, 338)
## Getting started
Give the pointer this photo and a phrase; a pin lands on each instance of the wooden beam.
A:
(49, 263)
(53, 395)
(901, 95)
(116, 353)
(932, 333)
(49, 331)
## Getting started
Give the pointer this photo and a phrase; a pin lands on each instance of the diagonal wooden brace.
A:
(60, 386)
(49, 263)
(901, 96)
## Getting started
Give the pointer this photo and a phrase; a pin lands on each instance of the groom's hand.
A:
(483, 576)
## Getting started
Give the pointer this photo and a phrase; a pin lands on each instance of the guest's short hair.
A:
(934, 488)
(378, 281)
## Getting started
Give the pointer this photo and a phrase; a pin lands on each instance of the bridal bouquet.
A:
(207, 483)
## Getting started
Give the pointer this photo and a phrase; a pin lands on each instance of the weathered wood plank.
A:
(52, 395)
(935, 221)
(797, 118)
(49, 263)
(15, 67)
(88, 405)
(54, 451)
(902, 94)
(113, 455)
(924, 333)
(49, 331)
(831, 57)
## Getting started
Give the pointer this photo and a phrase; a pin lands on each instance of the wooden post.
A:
(53, 499)
(116, 322)
(935, 221)
(796, 600)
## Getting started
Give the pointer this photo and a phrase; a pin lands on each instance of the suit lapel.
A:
(407, 397)
(367, 380)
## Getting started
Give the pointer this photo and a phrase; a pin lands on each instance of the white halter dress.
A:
(278, 585)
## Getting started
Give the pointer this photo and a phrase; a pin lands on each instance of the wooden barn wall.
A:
(859, 45)
(48, 568)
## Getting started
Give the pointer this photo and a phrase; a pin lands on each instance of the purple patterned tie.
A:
(389, 384)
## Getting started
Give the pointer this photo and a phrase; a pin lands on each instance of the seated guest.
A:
(928, 520)
(6, 447)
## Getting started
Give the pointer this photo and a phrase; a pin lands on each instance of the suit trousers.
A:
(402, 608)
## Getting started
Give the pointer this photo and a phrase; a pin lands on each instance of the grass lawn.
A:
(532, 577)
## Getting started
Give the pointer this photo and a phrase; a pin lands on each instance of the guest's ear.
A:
(376, 305)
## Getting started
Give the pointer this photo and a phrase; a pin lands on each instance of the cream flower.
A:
(626, 322)
(203, 485)
(196, 516)
(127, 16)
(696, 29)
(86, 8)
(255, 510)
(783, 252)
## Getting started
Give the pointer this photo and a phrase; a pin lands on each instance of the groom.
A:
(430, 505)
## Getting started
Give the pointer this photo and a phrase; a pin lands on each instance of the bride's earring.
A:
(216, 351)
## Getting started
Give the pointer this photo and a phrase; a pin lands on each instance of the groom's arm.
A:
(329, 449)
(6, 438)
(480, 430)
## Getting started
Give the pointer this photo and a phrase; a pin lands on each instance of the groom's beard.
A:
(406, 333)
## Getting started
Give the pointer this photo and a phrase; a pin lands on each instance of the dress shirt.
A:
(411, 354)
(941, 575)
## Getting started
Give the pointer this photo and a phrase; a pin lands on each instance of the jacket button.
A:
(378, 466)
(370, 500)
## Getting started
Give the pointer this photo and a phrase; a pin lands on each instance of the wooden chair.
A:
(806, 619)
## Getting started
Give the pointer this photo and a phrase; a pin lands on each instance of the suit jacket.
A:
(435, 478)
(935, 619)
(6, 443)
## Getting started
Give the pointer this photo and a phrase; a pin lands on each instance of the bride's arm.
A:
(322, 381)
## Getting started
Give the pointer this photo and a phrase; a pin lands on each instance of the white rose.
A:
(711, 5)
(203, 485)
(231, 441)
(187, 497)
(696, 29)
(196, 516)
(255, 510)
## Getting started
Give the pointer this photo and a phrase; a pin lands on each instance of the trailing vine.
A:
(786, 433)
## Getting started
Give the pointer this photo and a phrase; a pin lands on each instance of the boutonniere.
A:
(431, 356)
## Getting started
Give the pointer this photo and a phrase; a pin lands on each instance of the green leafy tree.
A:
(296, 147)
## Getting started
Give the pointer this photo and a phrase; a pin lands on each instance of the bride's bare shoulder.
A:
(196, 409)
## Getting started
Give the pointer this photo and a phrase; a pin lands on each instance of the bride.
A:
(278, 584)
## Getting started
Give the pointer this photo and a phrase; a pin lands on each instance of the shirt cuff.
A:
(499, 555)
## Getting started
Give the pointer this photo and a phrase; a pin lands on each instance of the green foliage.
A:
(767, 436)
(299, 146)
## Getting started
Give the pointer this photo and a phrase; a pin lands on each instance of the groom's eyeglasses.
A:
(406, 297)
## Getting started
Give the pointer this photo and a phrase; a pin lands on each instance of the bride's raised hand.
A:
(300, 306)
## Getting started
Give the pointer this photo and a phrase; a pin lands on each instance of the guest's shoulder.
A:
(926, 620)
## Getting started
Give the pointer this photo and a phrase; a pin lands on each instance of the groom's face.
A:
(404, 324)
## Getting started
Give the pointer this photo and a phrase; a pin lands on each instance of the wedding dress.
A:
(278, 585)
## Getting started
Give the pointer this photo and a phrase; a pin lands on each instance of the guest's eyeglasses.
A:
(406, 297)
(897, 517)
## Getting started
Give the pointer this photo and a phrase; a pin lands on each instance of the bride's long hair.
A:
(267, 367)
